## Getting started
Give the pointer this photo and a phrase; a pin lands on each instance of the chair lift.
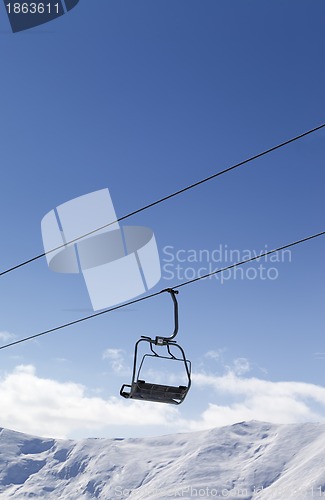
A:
(146, 391)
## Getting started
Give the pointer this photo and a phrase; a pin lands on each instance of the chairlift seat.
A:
(155, 392)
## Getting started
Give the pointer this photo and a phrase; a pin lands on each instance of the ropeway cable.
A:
(165, 198)
(105, 311)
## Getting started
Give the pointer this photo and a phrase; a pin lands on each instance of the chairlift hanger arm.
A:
(164, 340)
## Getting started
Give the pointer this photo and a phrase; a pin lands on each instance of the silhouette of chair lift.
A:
(146, 391)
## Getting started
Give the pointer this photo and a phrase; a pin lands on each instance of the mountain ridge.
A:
(245, 461)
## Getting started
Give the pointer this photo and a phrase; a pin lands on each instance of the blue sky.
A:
(144, 98)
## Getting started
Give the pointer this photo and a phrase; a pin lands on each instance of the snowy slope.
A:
(252, 460)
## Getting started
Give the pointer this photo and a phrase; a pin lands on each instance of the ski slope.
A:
(249, 460)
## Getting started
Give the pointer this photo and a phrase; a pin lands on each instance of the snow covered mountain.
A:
(253, 460)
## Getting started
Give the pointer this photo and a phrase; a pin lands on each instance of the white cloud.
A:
(215, 354)
(238, 365)
(241, 366)
(116, 359)
(6, 336)
(319, 355)
(47, 407)
(258, 399)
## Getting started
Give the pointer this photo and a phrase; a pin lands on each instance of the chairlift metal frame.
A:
(141, 390)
